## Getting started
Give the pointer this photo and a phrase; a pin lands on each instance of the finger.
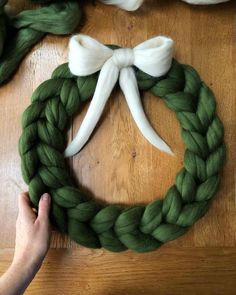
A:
(25, 207)
(44, 207)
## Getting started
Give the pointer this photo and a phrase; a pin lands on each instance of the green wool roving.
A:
(114, 227)
(19, 33)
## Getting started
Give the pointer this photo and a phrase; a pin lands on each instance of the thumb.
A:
(44, 207)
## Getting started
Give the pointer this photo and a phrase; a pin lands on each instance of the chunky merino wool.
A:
(205, 2)
(135, 4)
(19, 33)
(117, 228)
(131, 5)
(87, 56)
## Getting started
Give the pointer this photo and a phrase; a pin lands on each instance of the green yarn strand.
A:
(15, 50)
(57, 18)
(20, 33)
(115, 228)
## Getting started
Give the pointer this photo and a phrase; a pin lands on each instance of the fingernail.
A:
(45, 197)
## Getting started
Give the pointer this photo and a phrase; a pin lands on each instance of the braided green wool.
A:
(140, 228)
(18, 34)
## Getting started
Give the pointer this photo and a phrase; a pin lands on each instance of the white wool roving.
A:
(135, 4)
(205, 2)
(129, 5)
(87, 56)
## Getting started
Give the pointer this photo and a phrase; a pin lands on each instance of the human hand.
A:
(32, 243)
(32, 232)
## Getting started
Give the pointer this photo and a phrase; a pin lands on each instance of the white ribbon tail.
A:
(129, 86)
(108, 76)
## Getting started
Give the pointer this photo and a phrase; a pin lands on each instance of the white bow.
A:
(135, 4)
(87, 56)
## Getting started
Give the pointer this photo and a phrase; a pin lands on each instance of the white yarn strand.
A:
(108, 76)
(131, 5)
(87, 56)
(204, 2)
(129, 86)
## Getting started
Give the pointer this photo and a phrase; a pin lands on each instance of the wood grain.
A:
(171, 271)
(119, 165)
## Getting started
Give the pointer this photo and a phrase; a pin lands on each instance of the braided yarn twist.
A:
(140, 228)
(19, 33)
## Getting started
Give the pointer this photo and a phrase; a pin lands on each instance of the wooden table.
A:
(119, 165)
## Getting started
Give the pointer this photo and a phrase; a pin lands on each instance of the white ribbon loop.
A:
(87, 56)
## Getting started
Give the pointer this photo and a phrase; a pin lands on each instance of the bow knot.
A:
(123, 57)
(87, 56)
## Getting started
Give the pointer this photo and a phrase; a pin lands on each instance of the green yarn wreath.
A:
(140, 228)
(19, 33)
